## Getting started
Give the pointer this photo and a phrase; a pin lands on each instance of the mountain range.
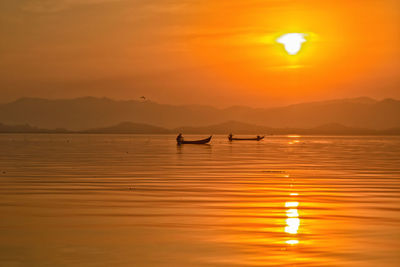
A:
(81, 114)
(222, 128)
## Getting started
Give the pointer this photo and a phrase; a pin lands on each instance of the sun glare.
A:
(292, 42)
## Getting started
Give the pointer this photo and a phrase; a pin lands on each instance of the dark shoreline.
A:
(236, 128)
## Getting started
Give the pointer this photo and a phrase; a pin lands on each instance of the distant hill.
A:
(90, 112)
(357, 113)
(222, 128)
(130, 128)
(26, 128)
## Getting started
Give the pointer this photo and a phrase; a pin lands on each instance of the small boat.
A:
(258, 138)
(196, 142)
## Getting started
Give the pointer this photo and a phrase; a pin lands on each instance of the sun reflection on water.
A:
(292, 242)
(294, 140)
(291, 204)
(292, 220)
(292, 225)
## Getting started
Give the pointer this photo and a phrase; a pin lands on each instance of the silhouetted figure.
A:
(179, 138)
(258, 137)
(230, 136)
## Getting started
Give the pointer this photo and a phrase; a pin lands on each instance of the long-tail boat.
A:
(195, 142)
(258, 138)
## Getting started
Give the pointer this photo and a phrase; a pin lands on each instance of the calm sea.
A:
(132, 200)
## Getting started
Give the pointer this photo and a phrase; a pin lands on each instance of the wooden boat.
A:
(258, 138)
(196, 142)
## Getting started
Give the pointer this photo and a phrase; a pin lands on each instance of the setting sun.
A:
(292, 42)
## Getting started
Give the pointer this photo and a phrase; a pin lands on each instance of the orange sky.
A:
(199, 51)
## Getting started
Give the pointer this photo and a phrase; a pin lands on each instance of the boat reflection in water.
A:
(292, 220)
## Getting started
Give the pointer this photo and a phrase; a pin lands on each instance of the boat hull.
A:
(246, 139)
(196, 142)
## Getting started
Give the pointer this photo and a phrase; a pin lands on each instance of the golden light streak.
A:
(291, 204)
(292, 220)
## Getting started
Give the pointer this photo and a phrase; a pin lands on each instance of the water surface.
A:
(132, 200)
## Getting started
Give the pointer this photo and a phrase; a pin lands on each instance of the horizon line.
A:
(205, 105)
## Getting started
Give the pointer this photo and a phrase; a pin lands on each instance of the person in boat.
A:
(258, 137)
(230, 136)
(179, 138)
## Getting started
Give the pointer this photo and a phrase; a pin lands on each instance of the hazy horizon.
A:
(91, 112)
(139, 99)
